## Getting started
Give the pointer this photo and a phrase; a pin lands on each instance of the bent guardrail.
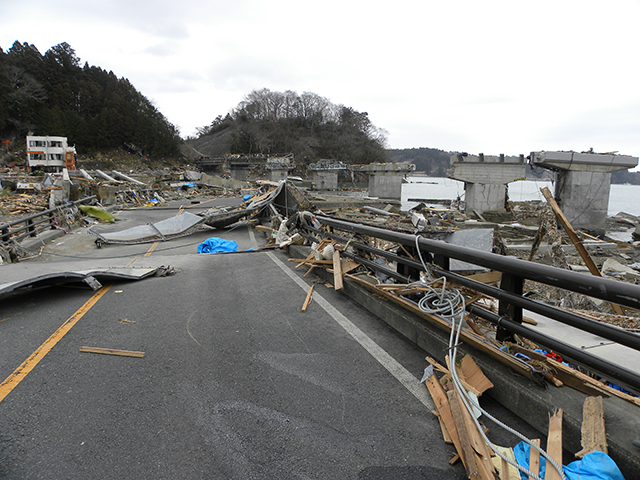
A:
(32, 225)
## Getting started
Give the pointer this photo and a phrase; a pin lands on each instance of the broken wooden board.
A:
(337, 271)
(575, 240)
(441, 403)
(534, 458)
(474, 375)
(111, 351)
(554, 445)
(593, 433)
(307, 300)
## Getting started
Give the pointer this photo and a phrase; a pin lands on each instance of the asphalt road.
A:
(236, 382)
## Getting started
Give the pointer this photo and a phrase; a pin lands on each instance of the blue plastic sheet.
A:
(594, 466)
(217, 245)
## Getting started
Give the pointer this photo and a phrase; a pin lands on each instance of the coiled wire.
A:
(451, 305)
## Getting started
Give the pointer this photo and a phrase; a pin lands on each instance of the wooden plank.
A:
(111, 351)
(474, 375)
(307, 300)
(479, 445)
(486, 277)
(445, 433)
(466, 453)
(504, 473)
(337, 272)
(575, 240)
(593, 432)
(534, 458)
(441, 402)
(554, 444)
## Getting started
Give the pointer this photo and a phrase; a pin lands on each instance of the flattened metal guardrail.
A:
(32, 225)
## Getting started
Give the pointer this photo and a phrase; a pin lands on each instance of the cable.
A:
(451, 305)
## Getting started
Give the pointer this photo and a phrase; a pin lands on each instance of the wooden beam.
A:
(337, 272)
(575, 240)
(307, 300)
(534, 458)
(467, 454)
(554, 445)
(441, 402)
(111, 351)
(593, 432)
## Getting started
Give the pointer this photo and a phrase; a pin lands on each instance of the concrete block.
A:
(585, 161)
(584, 198)
(326, 180)
(484, 197)
(385, 186)
(487, 173)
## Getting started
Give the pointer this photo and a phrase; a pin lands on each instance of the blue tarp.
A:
(217, 245)
(594, 466)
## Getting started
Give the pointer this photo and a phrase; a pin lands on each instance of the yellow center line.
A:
(29, 364)
(151, 249)
(131, 262)
(199, 204)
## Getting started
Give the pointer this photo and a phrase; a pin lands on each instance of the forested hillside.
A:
(433, 162)
(307, 125)
(52, 94)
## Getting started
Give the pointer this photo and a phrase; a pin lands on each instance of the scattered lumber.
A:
(593, 436)
(466, 336)
(111, 351)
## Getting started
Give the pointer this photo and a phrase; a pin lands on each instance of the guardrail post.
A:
(52, 220)
(442, 261)
(31, 228)
(512, 284)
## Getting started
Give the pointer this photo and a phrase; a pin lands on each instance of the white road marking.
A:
(405, 377)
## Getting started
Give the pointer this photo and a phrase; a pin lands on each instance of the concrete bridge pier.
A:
(238, 170)
(277, 174)
(582, 184)
(485, 179)
(385, 179)
(325, 179)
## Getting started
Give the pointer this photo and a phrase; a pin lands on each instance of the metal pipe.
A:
(598, 287)
(595, 327)
(629, 378)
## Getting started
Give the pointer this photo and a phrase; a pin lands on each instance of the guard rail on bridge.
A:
(30, 226)
(510, 293)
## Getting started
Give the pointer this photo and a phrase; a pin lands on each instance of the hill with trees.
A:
(431, 161)
(52, 94)
(307, 125)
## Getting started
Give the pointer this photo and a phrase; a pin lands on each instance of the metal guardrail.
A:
(32, 225)
(510, 294)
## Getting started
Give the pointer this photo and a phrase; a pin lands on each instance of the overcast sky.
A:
(476, 76)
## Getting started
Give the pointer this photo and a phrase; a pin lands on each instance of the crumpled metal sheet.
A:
(174, 227)
(89, 277)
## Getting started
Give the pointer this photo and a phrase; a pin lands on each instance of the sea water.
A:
(622, 198)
